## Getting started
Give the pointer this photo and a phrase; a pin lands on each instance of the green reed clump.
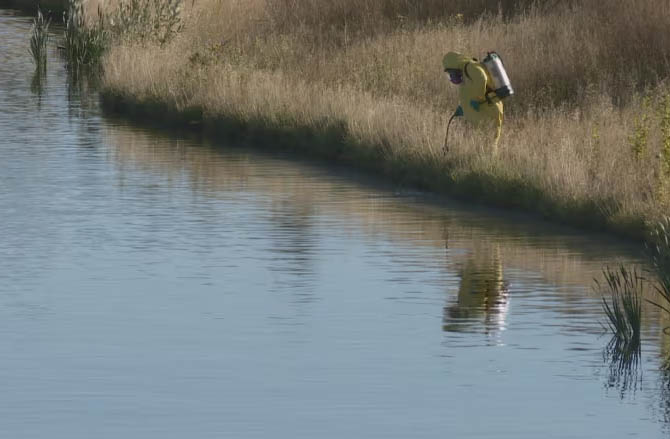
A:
(624, 319)
(134, 21)
(84, 43)
(658, 250)
(659, 254)
(650, 143)
(624, 310)
(640, 136)
(665, 133)
(38, 40)
(146, 20)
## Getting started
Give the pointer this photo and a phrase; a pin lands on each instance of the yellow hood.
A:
(455, 60)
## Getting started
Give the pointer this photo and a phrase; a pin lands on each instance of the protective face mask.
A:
(455, 76)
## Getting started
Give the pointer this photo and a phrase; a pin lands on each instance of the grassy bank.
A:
(586, 140)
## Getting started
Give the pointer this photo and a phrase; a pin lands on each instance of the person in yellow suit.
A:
(478, 102)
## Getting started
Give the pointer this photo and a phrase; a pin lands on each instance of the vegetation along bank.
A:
(585, 141)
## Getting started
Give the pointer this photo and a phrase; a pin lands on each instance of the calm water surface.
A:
(155, 285)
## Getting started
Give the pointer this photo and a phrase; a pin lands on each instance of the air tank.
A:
(502, 85)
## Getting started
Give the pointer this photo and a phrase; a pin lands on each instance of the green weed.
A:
(624, 319)
(659, 253)
(156, 21)
(133, 21)
(624, 311)
(640, 135)
(658, 250)
(665, 133)
(39, 39)
(84, 43)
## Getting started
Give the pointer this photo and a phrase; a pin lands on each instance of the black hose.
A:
(445, 148)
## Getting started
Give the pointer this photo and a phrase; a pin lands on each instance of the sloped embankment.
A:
(360, 82)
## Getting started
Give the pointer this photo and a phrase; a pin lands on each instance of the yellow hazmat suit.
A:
(473, 91)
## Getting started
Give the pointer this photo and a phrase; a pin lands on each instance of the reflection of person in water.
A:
(482, 292)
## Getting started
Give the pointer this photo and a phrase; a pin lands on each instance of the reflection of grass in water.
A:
(664, 399)
(624, 361)
(37, 84)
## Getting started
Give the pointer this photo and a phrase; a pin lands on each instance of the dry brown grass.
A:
(555, 54)
(373, 68)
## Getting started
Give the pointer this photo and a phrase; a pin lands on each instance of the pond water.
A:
(158, 285)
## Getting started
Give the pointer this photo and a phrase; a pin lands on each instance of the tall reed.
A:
(84, 42)
(624, 310)
(87, 37)
(142, 21)
(659, 253)
(624, 319)
(39, 39)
